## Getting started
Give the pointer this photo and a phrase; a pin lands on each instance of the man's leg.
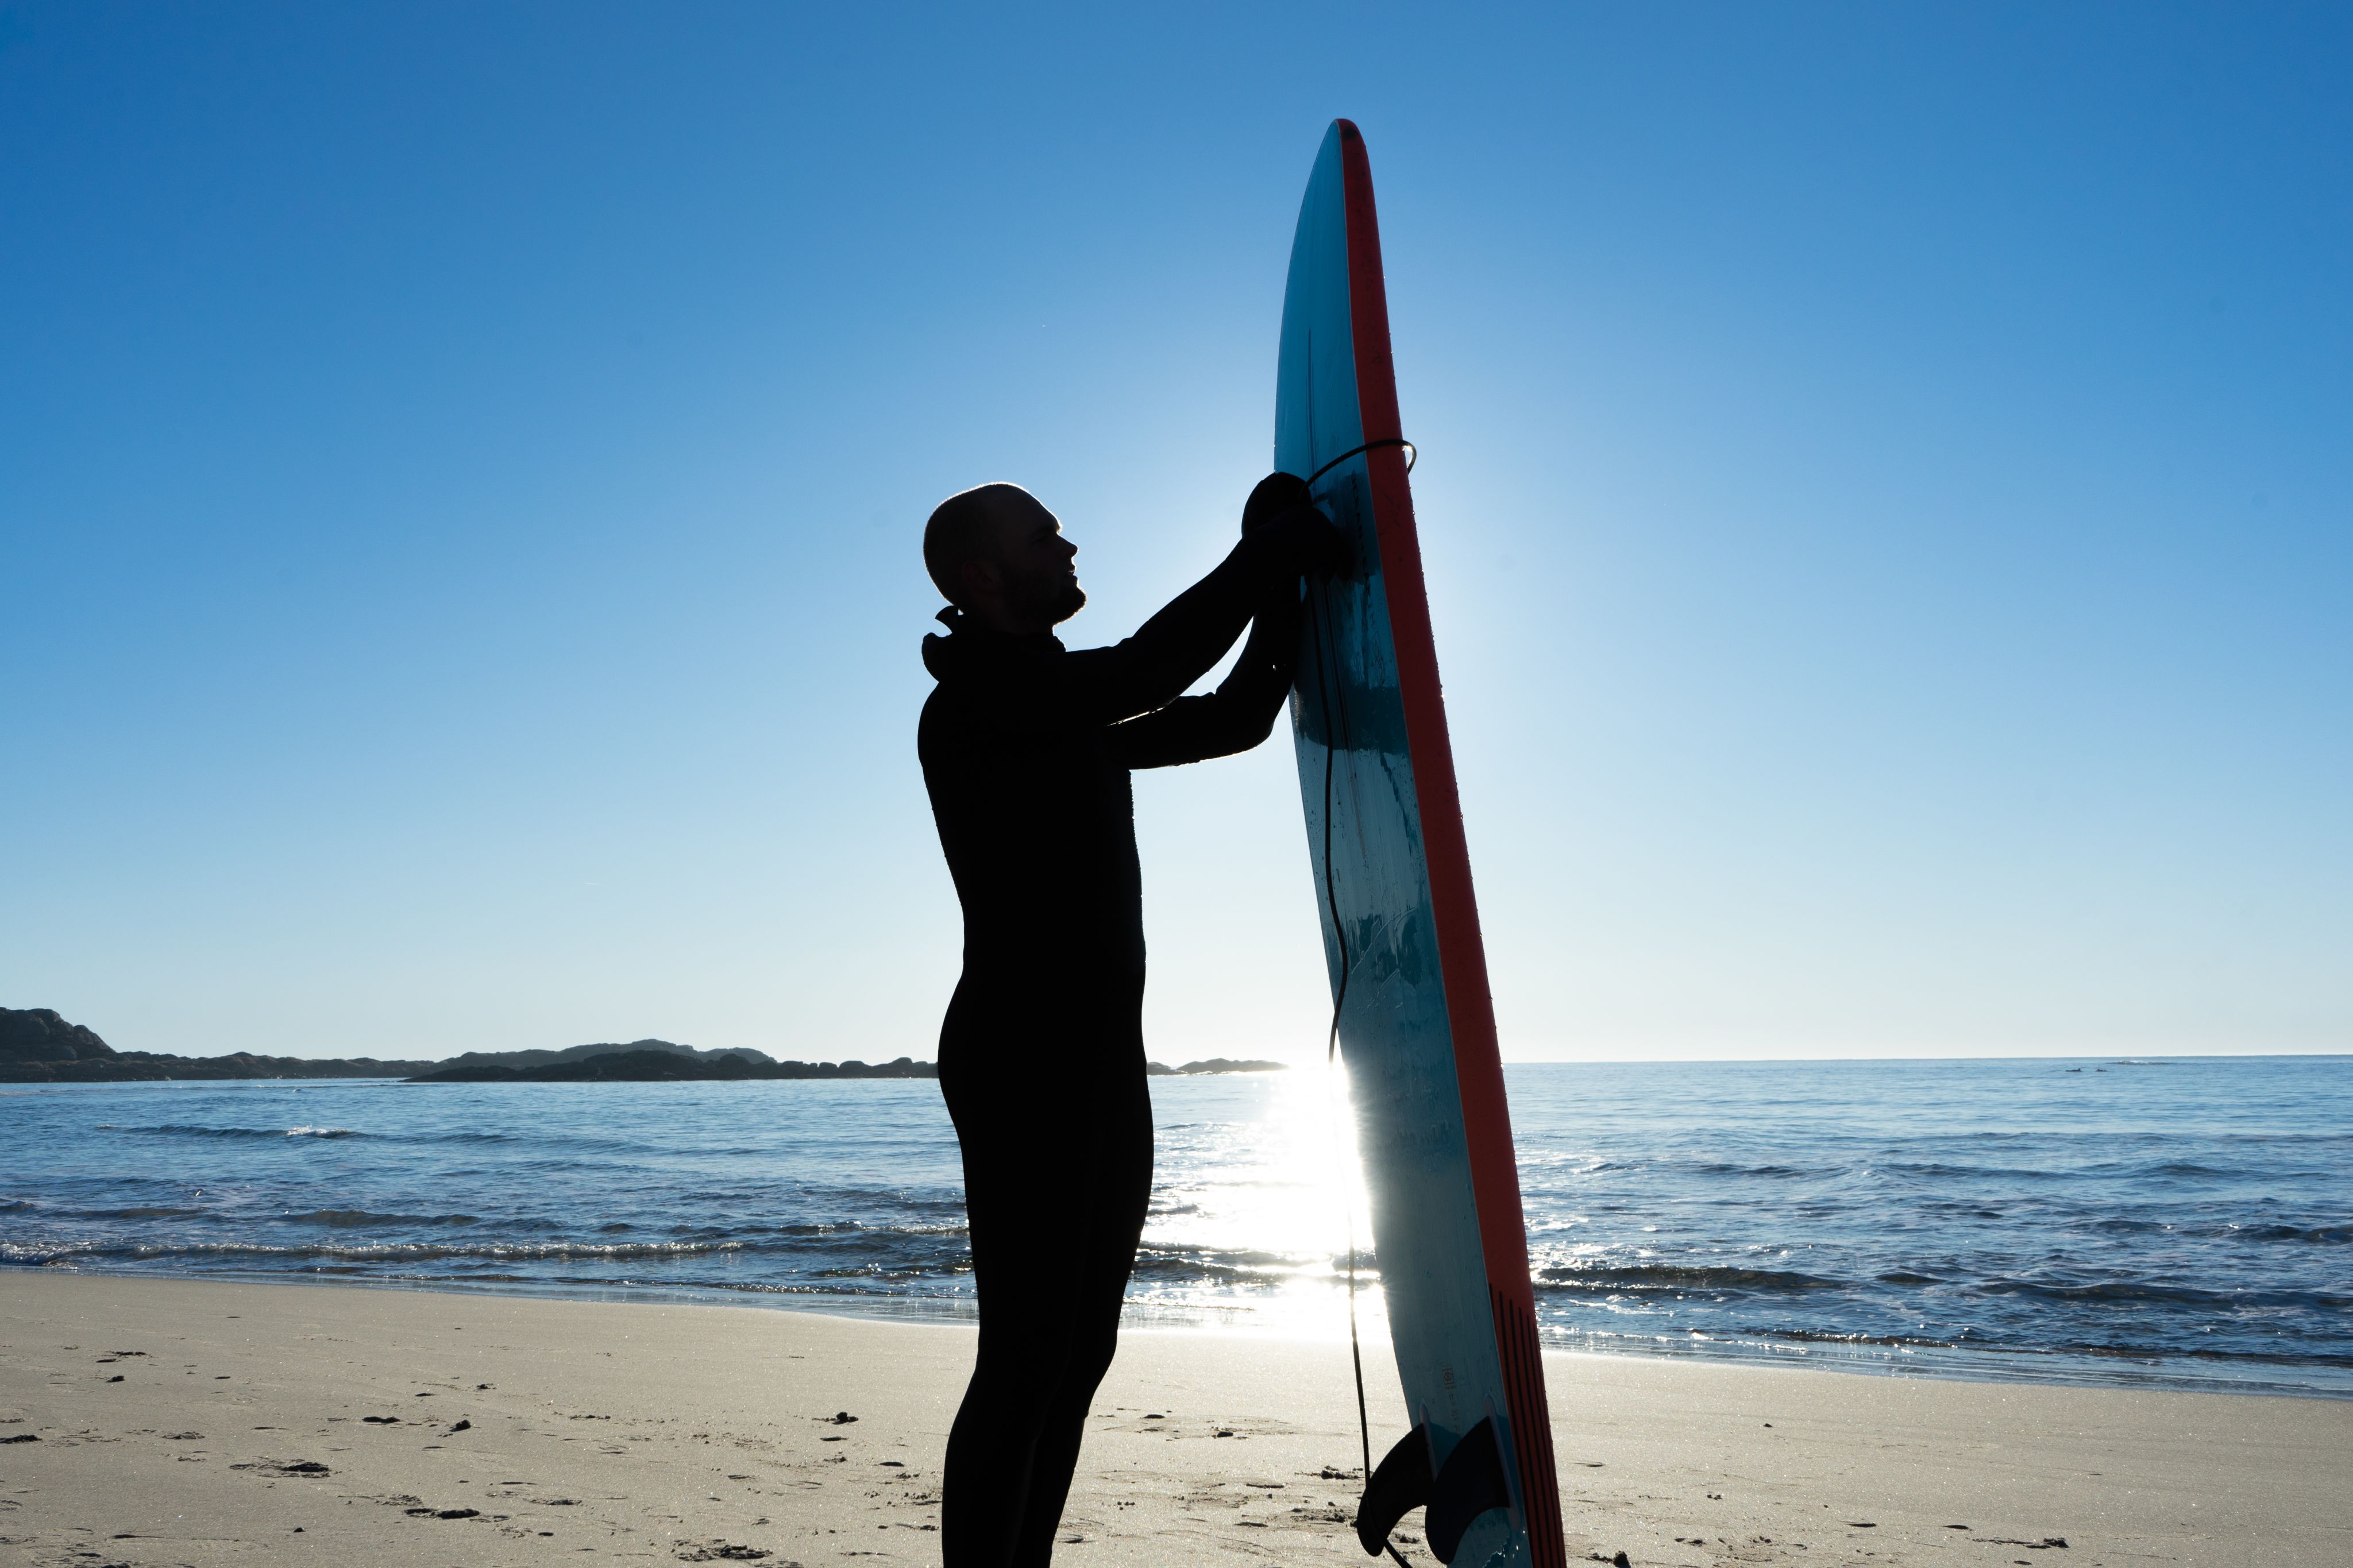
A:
(1022, 1139)
(1116, 1185)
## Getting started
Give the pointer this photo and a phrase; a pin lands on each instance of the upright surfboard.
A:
(1408, 973)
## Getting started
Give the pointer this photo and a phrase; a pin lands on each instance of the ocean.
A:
(2172, 1222)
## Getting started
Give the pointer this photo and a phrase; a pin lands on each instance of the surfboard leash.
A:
(1413, 456)
(1332, 716)
(1335, 740)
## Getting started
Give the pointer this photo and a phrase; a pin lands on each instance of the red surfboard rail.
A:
(1454, 910)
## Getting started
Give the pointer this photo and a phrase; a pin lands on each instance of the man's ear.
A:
(981, 578)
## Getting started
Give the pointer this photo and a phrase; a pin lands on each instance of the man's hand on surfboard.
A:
(1276, 494)
(1280, 516)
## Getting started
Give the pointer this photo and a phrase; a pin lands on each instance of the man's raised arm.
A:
(1099, 687)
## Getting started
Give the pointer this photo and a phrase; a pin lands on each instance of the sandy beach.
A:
(165, 1422)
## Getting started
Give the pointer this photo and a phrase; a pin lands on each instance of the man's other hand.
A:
(1306, 541)
(1276, 494)
(1280, 518)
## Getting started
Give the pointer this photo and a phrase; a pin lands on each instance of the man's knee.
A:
(1044, 1369)
(1087, 1355)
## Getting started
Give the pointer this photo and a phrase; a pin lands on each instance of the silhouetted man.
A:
(1026, 749)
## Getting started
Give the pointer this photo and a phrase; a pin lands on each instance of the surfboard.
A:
(1408, 973)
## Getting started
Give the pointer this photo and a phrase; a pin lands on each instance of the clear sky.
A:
(1884, 484)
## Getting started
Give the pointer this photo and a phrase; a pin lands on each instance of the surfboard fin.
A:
(1470, 1483)
(1401, 1484)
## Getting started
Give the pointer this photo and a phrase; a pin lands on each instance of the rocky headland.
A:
(654, 1064)
(37, 1045)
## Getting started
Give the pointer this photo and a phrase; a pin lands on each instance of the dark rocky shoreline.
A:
(655, 1065)
(37, 1045)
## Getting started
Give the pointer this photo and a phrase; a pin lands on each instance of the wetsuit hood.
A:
(970, 645)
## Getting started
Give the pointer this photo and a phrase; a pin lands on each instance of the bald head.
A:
(996, 552)
(965, 528)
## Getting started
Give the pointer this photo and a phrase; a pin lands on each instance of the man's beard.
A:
(1053, 601)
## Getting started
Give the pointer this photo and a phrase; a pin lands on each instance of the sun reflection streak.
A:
(1251, 1208)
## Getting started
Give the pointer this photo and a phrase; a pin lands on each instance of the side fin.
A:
(1401, 1484)
(1469, 1484)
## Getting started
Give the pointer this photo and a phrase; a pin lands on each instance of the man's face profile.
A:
(1034, 562)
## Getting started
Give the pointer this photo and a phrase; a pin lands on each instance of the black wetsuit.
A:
(1026, 749)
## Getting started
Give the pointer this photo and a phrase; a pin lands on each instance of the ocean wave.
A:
(935, 1269)
(1837, 1337)
(1680, 1276)
(2325, 1235)
(958, 1291)
(848, 1228)
(379, 1252)
(177, 1129)
(790, 1246)
(353, 1219)
(2136, 1291)
(932, 1200)
(2296, 1358)
(2226, 1230)
(1170, 1265)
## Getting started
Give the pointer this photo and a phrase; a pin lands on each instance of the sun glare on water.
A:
(1255, 1178)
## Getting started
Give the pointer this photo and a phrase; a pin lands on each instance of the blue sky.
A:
(1883, 485)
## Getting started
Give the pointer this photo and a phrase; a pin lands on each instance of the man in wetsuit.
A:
(1026, 749)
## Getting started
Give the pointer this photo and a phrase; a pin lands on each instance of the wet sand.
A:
(170, 1422)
